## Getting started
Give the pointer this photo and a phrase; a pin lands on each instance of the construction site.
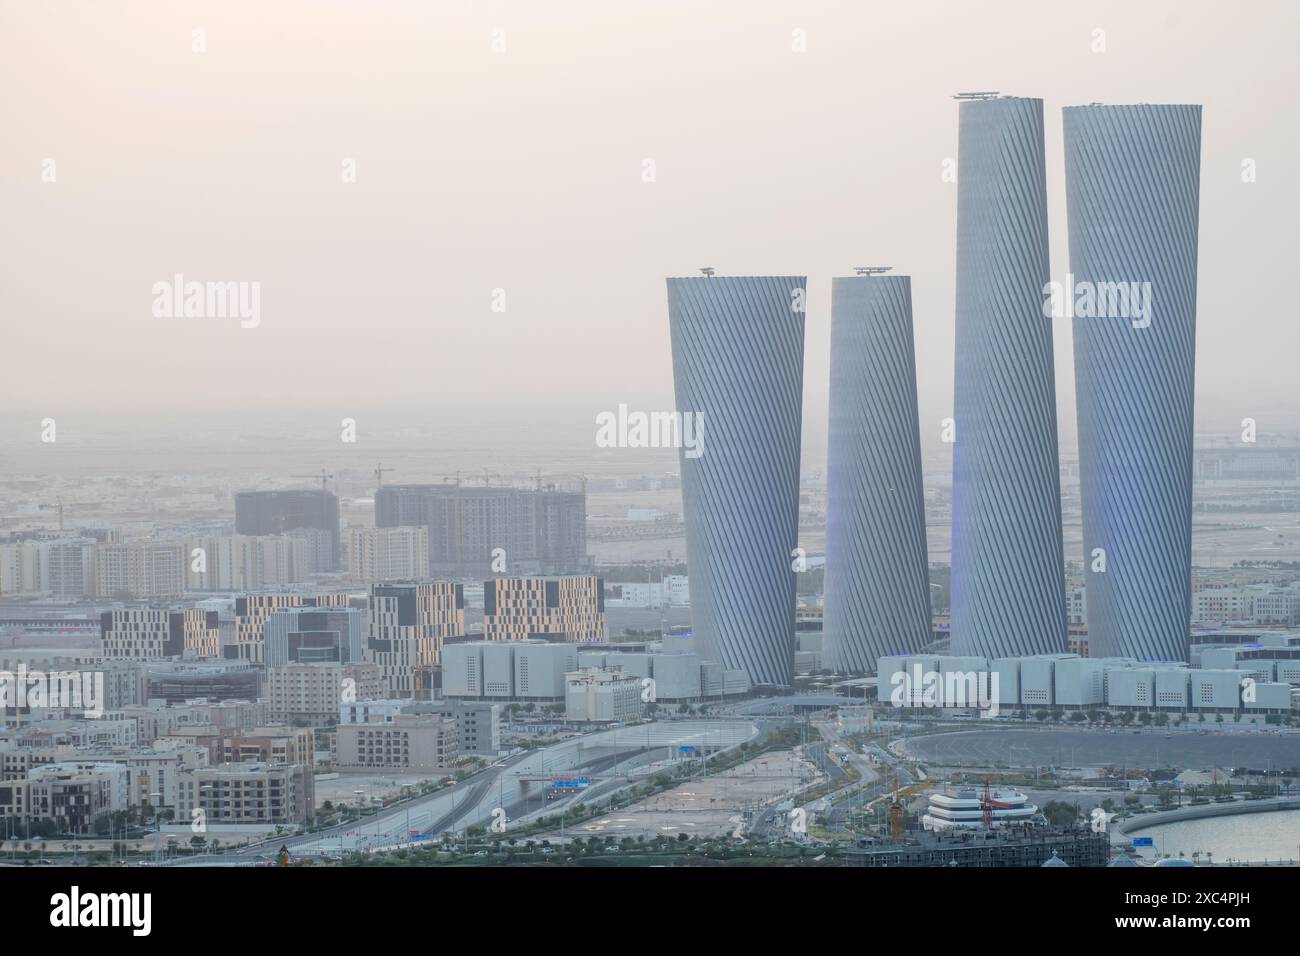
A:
(714, 805)
(968, 826)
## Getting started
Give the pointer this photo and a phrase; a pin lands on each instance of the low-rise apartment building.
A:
(311, 693)
(406, 743)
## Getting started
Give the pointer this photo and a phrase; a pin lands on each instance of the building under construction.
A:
(285, 510)
(478, 531)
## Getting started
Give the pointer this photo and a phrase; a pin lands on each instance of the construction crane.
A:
(895, 799)
(323, 476)
(977, 95)
(988, 805)
(871, 270)
(897, 809)
(896, 818)
(60, 508)
(380, 471)
(708, 271)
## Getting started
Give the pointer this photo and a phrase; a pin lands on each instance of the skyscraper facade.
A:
(1133, 193)
(737, 345)
(1008, 584)
(877, 572)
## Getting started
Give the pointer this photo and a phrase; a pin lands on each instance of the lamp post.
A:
(360, 806)
(157, 821)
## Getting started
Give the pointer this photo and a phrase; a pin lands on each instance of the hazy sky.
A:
(523, 170)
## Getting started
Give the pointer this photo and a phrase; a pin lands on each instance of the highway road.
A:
(507, 785)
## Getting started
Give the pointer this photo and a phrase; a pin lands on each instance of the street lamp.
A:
(360, 808)
(157, 823)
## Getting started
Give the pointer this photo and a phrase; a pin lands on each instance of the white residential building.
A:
(603, 695)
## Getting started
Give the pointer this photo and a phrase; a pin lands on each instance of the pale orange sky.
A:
(522, 170)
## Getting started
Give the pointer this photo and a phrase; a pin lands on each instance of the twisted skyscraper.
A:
(877, 577)
(1008, 588)
(1133, 190)
(738, 362)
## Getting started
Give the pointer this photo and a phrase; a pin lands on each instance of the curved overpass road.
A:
(472, 801)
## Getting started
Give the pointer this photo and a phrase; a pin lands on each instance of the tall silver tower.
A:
(738, 361)
(1008, 587)
(877, 572)
(1133, 192)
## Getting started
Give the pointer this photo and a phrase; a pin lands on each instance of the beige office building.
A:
(407, 626)
(405, 743)
(254, 792)
(311, 693)
(601, 694)
(570, 608)
(76, 793)
(152, 774)
(147, 633)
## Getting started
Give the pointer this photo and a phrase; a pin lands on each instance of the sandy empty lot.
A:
(706, 806)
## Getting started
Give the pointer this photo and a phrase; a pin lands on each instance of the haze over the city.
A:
(525, 170)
